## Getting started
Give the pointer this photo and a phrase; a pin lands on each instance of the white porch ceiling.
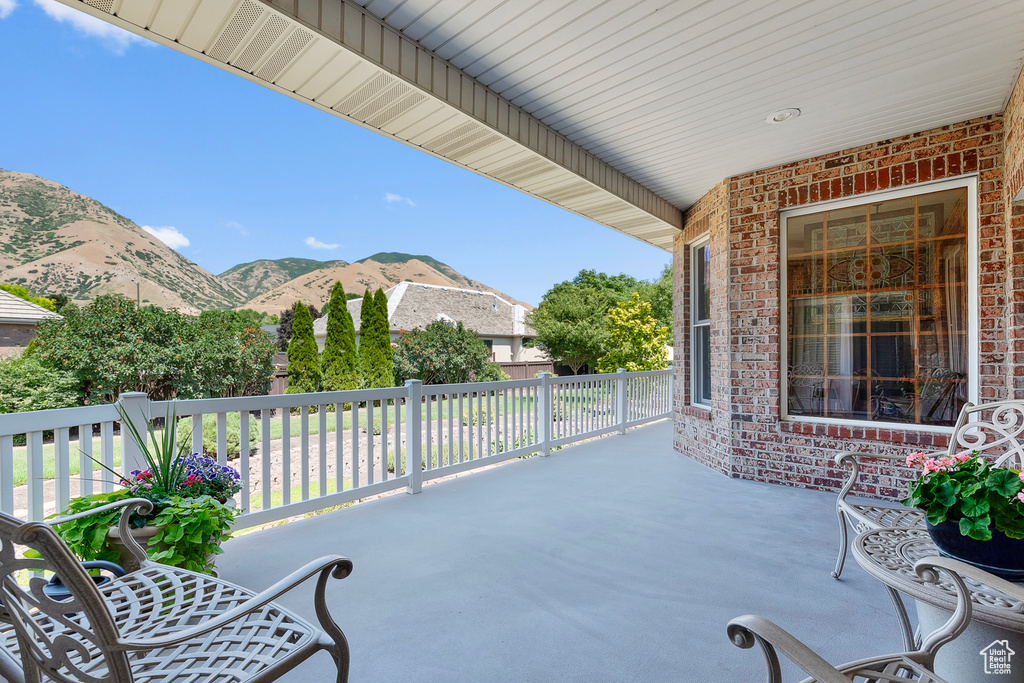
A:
(624, 111)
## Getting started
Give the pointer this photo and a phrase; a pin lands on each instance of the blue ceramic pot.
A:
(1002, 556)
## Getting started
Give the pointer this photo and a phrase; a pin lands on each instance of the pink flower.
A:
(1020, 496)
(963, 457)
(915, 459)
(1022, 476)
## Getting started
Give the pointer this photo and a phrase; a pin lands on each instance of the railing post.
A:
(620, 400)
(544, 413)
(135, 407)
(413, 435)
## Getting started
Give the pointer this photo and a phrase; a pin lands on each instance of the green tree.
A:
(110, 346)
(441, 353)
(658, 293)
(570, 324)
(376, 367)
(27, 384)
(635, 339)
(303, 355)
(338, 362)
(284, 324)
(24, 293)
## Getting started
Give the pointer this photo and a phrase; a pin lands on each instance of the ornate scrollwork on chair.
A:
(902, 667)
(155, 623)
(995, 430)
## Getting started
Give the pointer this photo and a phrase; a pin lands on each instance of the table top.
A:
(889, 555)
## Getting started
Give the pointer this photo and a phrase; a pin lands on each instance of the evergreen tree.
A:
(385, 363)
(303, 356)
(363, 362)
(338, 363)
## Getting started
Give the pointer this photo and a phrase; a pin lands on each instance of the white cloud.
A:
(114, 37)
(317, 244)
(169, 236)
(6, 7)
(391, 198)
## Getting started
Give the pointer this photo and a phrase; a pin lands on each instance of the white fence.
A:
(307, 452)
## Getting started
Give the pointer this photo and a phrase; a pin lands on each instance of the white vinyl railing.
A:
(300, 453)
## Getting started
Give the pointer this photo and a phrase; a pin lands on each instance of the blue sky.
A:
(241, 173)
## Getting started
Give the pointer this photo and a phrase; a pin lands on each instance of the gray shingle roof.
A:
(14, 309)
(413, 305)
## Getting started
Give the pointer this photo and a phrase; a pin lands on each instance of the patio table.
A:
(997, 622)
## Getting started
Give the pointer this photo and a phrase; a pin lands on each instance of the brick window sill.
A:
(885, 434)
(698, 411)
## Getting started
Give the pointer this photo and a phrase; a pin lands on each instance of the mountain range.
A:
(56, 241)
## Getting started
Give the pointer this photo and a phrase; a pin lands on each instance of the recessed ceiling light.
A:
(783, 115)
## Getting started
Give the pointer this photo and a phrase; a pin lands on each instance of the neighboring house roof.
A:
(413, 305)
(14, 309)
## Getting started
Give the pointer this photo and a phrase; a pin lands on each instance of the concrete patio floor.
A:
(615, 560)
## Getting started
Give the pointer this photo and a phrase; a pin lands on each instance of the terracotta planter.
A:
(1002, 556)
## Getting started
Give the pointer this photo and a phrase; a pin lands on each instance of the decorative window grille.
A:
(877, 311)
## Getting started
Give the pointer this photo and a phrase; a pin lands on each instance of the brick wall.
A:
(1013, 173)
(745, 419)
(702, 432)
(14, 338)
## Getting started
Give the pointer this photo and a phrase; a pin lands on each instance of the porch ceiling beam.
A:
(334, 55)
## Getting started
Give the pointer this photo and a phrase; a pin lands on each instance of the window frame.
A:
(973, 333)
(695, 248)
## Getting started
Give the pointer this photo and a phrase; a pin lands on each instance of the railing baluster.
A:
(286, 456)
(339, 447)
(490, 441)
(384, 429)
(107, 456)
(369, 442)
(243, 456)
(34, 453)
(451, 431)
(222, 439)
(61, 468)
(428, 428)
(7, 474)
(265, 462)
(462, 431)
(85, 478)
(398, 438)
(439, 425)
(481, 449)
(197, 434)
(304, 451)
(354, 450)
(321, 482)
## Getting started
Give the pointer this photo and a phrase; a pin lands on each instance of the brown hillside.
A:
(315, 287)
(55, 241)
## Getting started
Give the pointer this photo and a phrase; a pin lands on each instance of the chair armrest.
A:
(143, 505)
(334, 565)
(748, 630)
(852, 459)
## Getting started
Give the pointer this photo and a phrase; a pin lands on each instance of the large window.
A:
(877, 310)
(700, 323)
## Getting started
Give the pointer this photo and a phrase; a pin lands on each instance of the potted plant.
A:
(192, 511)
(975, 512)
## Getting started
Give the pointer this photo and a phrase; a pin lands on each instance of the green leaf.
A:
(946, 492)
(937, 515)
(978, 528)
(1004, 482)
(971, 507)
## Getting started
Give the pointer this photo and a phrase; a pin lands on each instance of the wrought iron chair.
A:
(157, 623)
(993, 429)
(901, 667)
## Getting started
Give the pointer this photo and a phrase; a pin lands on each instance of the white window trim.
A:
(694, 247)
(973, 334)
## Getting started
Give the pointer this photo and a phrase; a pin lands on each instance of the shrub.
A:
(233, 434)
(441, 353)
(492, 372)
(338, 362)
(303, 355)
(27, 384)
